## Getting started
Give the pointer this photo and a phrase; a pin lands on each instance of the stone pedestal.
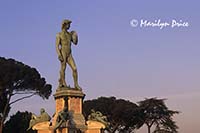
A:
(42, 127)
(94, 127)
(73, 99)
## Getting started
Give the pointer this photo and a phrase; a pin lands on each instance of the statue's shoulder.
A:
(58, 34)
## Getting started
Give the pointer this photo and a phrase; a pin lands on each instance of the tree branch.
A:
(22, 98)
(152, 123)
(5, 109)
(115, 127)
(23, 93)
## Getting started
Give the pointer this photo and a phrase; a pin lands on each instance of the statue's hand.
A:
(60, 58)
(74, 37)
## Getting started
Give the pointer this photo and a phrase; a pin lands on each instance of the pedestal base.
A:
(42, 127)
(73, 100)
(94, 127)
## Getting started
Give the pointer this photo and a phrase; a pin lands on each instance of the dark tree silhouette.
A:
(155, 112)
(121, 114)
(18, 123)
(19, 79)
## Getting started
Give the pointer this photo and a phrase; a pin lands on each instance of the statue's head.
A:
(66, 24)
(42, 110)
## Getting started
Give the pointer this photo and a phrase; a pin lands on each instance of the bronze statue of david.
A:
(64, 39)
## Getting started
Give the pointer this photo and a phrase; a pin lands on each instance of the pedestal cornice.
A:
(69, 92)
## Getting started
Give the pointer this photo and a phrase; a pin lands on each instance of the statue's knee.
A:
(63, 68)
(64, 65)
(75, 70)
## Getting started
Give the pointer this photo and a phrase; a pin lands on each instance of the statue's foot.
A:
(62, 85)
(78, 87)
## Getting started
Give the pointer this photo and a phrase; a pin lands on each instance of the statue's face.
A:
(67, 26)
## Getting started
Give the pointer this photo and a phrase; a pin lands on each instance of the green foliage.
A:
(125, 116)
(16, 76)
(19, 79)
(18, 123)
(167, 126)
(155, 112)
(121, 114)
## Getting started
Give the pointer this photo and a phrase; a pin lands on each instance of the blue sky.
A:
(113, 58)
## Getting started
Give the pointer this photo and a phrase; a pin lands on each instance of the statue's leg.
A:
(72, 64)
(31, 124)
(57, 125)
(62, 82)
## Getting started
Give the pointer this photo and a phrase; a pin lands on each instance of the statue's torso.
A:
(65, 42)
